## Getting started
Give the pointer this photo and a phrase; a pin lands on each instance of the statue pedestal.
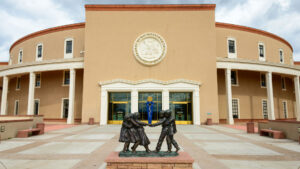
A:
(183, 160)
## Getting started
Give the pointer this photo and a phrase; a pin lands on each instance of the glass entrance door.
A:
(181, 107)
(119, 106)
(157, 105)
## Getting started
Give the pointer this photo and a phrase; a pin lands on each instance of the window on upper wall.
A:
(234, 78)
(69, 48)
(66, 79)
(261, 52)
(281, 56)
(263, 80)
(38, 80)
(39, 52)
(231, 42)
(18, 83)
(283, 86)
(20, 57)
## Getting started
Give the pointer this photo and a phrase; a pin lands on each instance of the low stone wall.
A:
(290, 128)
(9, 125)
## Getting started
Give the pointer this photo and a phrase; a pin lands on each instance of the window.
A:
(285, 110)
(66, 79)
(20, 58)
(281, 56)
(263, 80)
(283, 86)
(231, 42)
(39, 52)
(18, 83)
(265, 109)
(235, 108)
(68, 48)
(65, 108)
(16, 107)
(234, 78)
(261, 50)
(119, 104)
(38, 80)
(36, 106)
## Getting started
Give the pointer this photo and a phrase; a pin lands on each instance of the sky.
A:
(21, 17)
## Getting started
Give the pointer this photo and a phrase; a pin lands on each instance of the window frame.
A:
(36, 80)
(261, 80)
(262, 108)
(237, 78)
(282, 79)
(231, 55)
(238, 103)
(62, 107)
(38, 107)
(15, 107)
(281, 50)
(287, 111)
(63, 81)
(264, 48)
(19, 62)
(18, 83)
(68, 55)
(37, 52)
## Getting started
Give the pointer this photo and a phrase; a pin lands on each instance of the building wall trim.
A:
(242, 64)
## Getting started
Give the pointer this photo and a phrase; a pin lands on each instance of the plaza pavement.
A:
(86, 147)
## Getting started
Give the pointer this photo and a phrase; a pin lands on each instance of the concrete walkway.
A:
(212, 147)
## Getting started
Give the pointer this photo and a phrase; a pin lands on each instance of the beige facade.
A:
(101, 60)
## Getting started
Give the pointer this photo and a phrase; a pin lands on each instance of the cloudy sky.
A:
(21, 17)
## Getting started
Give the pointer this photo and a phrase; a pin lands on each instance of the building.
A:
(177, 54)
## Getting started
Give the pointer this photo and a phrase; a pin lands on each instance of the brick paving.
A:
(86, 147)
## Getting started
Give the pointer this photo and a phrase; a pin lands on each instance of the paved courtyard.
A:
(212, 147)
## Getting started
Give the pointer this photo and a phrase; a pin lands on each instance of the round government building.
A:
(175, 56)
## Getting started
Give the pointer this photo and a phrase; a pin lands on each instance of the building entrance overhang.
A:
(150, 85)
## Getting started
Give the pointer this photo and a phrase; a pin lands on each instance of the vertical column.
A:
(4, 95)
(30, 104)
(196, 107)
(297, 93)
(134, 101)
(271, 113)
(70, 119)
(229, 96)
(165, 99)
(104, 102)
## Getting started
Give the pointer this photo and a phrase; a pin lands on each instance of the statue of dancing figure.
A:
(168, 130)
(139, 126)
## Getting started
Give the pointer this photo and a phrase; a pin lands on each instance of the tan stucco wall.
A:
(53, 46)
(247, 45)
(250, 95)
(50, 94)
(190, 37)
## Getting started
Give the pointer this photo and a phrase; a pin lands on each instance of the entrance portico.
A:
(150, 85)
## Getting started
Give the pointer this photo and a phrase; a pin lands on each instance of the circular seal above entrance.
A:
(149, 48)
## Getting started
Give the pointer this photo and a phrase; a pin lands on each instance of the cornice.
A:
(149, 81)
(196, 7)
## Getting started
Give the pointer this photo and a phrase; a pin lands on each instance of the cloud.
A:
(20, 17)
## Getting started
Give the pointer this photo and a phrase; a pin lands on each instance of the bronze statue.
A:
(168, 130)
(139, 126)
(133, 131)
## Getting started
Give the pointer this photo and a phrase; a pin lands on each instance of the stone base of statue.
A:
(149, 160)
